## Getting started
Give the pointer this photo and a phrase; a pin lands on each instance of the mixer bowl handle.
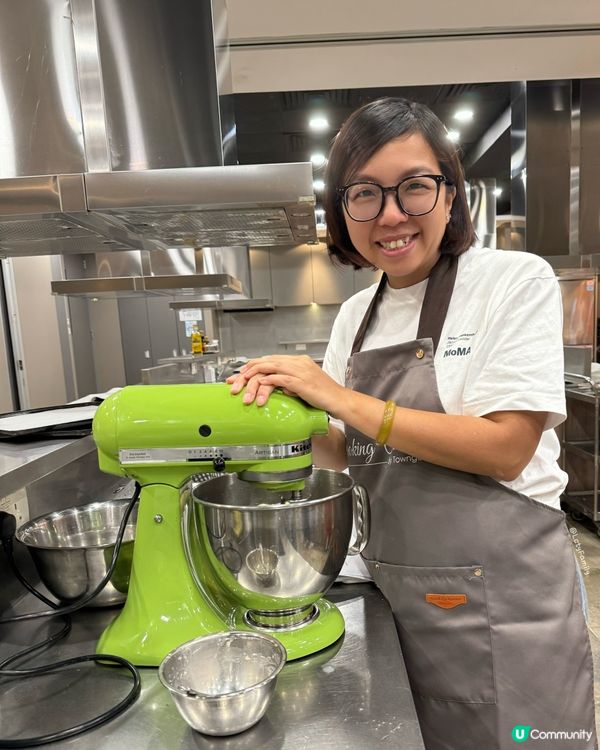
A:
(361, 512)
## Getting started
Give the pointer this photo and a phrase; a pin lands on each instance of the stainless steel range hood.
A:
(203, 274)
(121, 121)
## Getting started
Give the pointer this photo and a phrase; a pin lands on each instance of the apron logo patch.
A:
(446, 601)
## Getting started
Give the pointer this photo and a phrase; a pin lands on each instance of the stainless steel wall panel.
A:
(548, 167)
(85, 36)
(574, 169)
(40, 118)
(159, 83)
(589, 228)
(482, 206)
(518, 165)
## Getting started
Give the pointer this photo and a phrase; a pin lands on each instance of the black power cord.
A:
(7, 530)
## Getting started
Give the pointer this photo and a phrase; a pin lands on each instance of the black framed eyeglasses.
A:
(416, 195)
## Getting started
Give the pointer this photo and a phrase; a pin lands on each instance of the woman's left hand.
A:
(297, 376)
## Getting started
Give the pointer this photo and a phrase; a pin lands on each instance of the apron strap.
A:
(435, 304)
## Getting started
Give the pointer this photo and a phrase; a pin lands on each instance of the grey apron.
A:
(481, 579)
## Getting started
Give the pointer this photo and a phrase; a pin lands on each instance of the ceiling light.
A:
(318, 185)
(318, 122)
(497, 192)
(464, 115)
(454, 135)
(318, 159)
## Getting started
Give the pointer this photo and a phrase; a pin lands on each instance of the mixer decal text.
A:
(136, 456)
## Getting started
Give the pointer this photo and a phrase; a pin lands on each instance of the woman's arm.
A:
(329, 451)
(499, 444)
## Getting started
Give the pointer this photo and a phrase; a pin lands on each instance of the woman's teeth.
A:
(395, 243)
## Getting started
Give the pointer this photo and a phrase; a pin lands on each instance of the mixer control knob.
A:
(219, 463)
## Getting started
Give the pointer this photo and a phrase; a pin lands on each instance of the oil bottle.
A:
(198, 340)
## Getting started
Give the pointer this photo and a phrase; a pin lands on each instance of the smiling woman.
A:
(445, 382)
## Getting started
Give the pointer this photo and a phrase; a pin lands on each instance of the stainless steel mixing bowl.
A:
(222, 683)
(72, 550)
(275, 553)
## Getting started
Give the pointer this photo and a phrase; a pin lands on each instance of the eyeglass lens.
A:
(417, 195)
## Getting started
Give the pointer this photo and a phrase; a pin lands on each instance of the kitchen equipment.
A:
(222, 683)
(72, 550)
(275, 552)
(258, 550)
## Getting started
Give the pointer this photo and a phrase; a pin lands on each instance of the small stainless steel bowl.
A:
(72, 550)
(222, 683)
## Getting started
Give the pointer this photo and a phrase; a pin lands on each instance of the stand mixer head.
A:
(230, 552)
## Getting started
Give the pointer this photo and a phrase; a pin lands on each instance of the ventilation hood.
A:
(203, 275)
(256, 304)
(121, 136)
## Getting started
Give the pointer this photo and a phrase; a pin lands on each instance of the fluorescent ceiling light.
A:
(318, 185)
(318, 122)
(318, 159)
(464, 115)
(454, 135)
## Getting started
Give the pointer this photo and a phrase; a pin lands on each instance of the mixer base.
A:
(323, 627)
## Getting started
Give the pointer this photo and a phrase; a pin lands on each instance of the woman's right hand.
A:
(296, 376)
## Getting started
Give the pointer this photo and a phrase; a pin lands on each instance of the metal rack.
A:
(580, 456)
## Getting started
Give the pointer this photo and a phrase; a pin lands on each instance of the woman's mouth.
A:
(398, 244)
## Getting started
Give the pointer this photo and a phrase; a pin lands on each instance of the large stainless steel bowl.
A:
(275, 553)
(222, 683)
(72, 550)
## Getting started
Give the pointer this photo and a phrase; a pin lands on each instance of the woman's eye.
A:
(362, 193)
(422, 185)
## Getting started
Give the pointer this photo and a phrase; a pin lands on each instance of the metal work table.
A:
(353, 695)
(22, 463)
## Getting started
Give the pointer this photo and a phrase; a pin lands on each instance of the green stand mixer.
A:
(235, 529)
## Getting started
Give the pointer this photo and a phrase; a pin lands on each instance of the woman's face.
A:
(405, 247)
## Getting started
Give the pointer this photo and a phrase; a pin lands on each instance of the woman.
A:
(445, 382)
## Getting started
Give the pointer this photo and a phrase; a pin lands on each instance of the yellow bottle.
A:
(197, 341)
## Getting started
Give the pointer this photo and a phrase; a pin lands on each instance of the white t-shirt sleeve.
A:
(334, 362)
(518, 362)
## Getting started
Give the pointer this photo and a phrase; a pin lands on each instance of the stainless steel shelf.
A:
(24, 463)
(580, 456)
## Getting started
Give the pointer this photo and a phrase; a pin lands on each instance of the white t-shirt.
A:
(500, 349)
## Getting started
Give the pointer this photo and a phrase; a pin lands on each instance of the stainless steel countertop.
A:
(23, 463)
(352, 696)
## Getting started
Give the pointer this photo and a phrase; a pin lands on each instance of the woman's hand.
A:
(296, 376)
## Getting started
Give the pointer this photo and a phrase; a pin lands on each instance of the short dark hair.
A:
(365, 132)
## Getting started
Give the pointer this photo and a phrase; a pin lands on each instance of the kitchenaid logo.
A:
(366, 451)
(521, 733)
(302, 447)
(458, 346)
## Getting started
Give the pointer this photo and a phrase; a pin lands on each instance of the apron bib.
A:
(481, 579)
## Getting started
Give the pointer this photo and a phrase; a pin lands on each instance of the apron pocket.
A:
(442, 620)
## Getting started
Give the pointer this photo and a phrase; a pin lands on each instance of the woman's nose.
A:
(391, 213)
